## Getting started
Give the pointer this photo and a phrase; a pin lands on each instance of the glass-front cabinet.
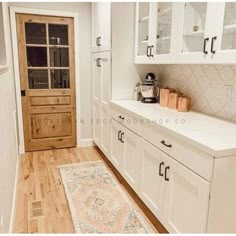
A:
(153, 31)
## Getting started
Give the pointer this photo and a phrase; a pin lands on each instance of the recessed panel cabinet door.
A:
(117, 147)
(97, 123)
(105, 131)
(96, 70)
(131, 158)
(151, 178)
(186, 200)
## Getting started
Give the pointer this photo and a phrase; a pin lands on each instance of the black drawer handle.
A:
(160, 166)
(151, 51)
(122, 118)
(167, 145)
(99, 62)
(167, 168)
(212, 45)
(119, 135)
(99, 41)
(122, 137)
(148, 52)
(204, 45)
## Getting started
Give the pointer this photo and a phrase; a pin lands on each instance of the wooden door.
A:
(151, 172)
(186, 199)
(46, 54)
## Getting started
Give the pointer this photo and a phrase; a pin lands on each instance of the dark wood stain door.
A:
(46, 59)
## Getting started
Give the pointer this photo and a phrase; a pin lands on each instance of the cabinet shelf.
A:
(230, 29)
(197, 34)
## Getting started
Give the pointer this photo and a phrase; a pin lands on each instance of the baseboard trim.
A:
(86, 143)
(13, 207)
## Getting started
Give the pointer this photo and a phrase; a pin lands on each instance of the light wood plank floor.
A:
(41, 204)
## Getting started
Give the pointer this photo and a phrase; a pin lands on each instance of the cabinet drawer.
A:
(130, 121)
(199, 162)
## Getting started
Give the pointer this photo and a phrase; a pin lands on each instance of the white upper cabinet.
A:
(101, 26)
(191, 32)
(154, 32)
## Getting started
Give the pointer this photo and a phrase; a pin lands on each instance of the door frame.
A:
(34, 11)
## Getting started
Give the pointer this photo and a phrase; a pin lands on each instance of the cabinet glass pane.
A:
(143, 28)
(164, 21)
(58, 34)
(59, 57)
(35, 33)
(36, 56)
(38, 79)
(60, 79)
(229, 31)
(194, 26)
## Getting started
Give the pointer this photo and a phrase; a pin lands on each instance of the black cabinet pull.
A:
(119, 135)
(121, 117)
(160, 165)
(151, 51)
(167, 168)
(212, 45)
(204, 45)
(22, 93)
(148, 52)
(99, 62)
(99, 41)
(167, 145)
(121, 138)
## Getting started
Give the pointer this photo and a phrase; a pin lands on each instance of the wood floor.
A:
(41, 205)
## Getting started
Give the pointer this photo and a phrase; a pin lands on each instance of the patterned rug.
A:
(98, 203)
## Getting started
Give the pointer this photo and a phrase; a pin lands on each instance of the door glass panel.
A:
(35, 33)
(229, 31)
(194, 26)
(59, 57)
(38, 79)
(36, 56)
(60, 79)
(143, 28)
(58, 34)
(164, 21)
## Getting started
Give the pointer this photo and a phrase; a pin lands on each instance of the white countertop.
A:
(213, 136)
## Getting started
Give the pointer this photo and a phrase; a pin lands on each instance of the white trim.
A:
(13, 12)
(13, 207)
(86, 143)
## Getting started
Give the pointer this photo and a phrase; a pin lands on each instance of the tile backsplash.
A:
(212, 88)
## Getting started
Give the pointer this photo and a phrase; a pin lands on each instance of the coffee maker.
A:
(150, 90)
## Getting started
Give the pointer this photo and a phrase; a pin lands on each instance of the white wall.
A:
(8, 145)
(84, 10)
(125, 74)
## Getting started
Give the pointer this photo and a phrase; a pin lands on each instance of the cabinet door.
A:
(96, 25)
(96, 72)
(186, 199)
(117, 147)
(194, 32)
(105, 77)
(143, 32)
(97, 123)
(105, 131)
(151, 186)
(224, 40)
(131, 158)
(163, 30)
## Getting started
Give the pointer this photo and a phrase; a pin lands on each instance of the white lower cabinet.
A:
(177, 196)
(97, 123)
(186, 199)
(105, 130)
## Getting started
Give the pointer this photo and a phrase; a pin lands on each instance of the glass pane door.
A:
(229, 28)
(164, 23)
(194, 26)
(143, 28)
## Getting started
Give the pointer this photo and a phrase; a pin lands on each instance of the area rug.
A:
(98, 202)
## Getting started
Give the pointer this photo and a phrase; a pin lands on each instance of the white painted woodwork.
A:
(101, 26)
(151, 186)
(97, 123)
(131, 158)
(117, 148)
(186, 199)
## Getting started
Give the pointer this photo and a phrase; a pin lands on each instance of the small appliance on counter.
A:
(149, 90)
